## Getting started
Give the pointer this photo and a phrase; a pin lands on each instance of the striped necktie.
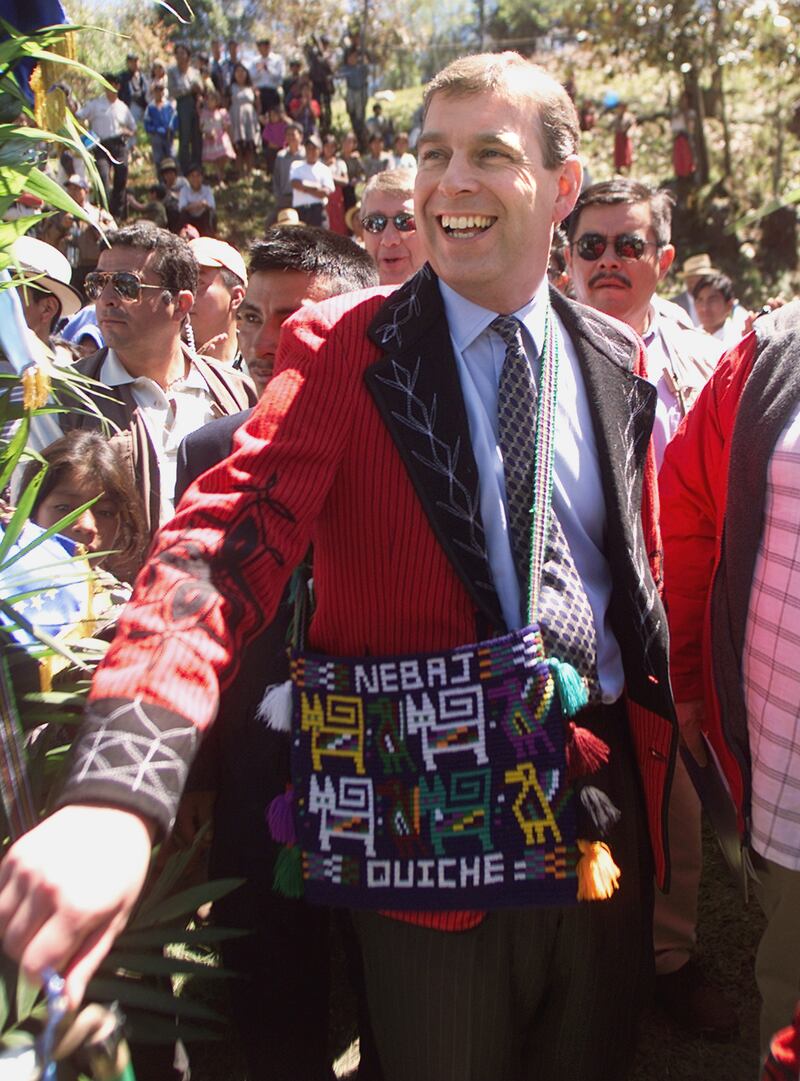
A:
(565, 616)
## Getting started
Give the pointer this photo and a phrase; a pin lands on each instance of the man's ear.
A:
(665, 260)
(237, 296)
(183, 301)
(569, 188)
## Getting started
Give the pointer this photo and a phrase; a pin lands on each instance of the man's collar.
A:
(114, 373)
(467, 320)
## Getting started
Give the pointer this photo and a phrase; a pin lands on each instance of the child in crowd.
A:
(160, 123)
(197, 204)
(215, 123)
(273, 135)
(82, 466)
(244, 121)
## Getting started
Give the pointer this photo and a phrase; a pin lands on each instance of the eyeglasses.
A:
(127, 285)
(376, 223)
(591, 246)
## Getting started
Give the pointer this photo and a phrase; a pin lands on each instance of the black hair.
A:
(721, 282)
(174, 260)
(93, 458)
(310, 250)
(622, 190)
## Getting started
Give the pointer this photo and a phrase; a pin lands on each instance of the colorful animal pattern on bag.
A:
(436, 781)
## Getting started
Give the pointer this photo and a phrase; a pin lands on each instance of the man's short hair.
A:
(264, 41)
(337, 260)
(398, 182)
(174, 261)
(510, 72)
(622, 190)
(294, 127)
(720, 282)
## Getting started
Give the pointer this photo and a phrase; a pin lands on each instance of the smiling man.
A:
(398, 433)
(390, 233)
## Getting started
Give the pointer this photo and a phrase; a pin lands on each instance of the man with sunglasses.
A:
(158, 391)
(389, 436)
(390, 231)
(619, 250)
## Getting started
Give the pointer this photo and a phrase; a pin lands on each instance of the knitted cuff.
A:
(134, 755)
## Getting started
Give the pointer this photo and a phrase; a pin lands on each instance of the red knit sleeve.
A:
(217, 571)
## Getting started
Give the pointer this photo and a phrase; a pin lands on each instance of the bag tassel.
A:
(280, 818)
(601, 811)
(288, 877)
(571, 688)
(586, 752)
(275, 708)
(598, 875)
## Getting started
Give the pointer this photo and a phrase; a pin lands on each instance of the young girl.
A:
(273, 135)
(215, 124)
(336, 222)
(83, 465)
(244, 121)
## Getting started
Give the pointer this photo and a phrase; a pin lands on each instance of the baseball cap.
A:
(210, 252)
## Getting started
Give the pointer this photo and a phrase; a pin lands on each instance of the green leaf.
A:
(39, 183)
(11, 454)
(188, 901)
(157, 965)
(18, 520)
(177, 936)
(36, 632)
(5, 1006)
(133, 993)
(40, 538)
(27, 994)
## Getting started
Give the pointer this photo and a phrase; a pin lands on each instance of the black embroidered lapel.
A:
(623, 409)
(418, 393)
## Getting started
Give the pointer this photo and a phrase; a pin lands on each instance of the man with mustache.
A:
(619, 250)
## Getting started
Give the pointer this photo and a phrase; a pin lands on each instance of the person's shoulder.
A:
(347, 315)
(694, 344)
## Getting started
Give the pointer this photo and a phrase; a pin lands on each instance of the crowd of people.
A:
(398, 376)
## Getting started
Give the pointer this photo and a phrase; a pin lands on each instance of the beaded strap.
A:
(544, 453)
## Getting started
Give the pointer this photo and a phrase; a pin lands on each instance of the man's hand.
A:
(691, 716)
(67, 888)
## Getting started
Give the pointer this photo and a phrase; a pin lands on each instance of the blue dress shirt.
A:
(577, 482)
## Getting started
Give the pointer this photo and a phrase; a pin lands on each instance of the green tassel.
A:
(571, 688)
(288, 877)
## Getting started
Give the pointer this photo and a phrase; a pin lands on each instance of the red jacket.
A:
(712, 490)
(372, 463)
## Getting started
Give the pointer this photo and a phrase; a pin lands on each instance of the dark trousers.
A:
(114, 174)
(312, 214)
(190, 140)
(270, 99)
(529, 995)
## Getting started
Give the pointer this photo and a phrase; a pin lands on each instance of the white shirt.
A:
(403, 161)
(169, 415)
(668, 411)
(268, 71)
(317, 174)
(577, 483)
(188, 195)
(107, 119)
(771, 674)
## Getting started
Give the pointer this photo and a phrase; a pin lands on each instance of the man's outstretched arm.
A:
(216, 573)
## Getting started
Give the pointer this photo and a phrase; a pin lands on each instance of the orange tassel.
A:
(598, 875)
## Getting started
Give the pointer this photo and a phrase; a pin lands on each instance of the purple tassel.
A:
(280, 818)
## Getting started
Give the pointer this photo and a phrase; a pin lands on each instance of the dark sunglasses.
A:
(591, 246)
(376, 223)
(127, 285)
